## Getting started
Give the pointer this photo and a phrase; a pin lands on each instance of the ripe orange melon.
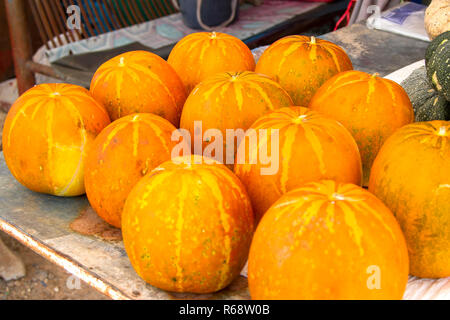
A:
(411, 175)
(121, 155)
(203, 54)
(370, 107)
(139, 82)
(47, 134)
(309, 147)
(187, 226)
(230, 101)
(302, 64)
(328, 240)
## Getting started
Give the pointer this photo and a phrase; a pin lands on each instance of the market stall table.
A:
(373, 50)
(45, 223)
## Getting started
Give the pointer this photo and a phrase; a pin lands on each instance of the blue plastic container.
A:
(213, 13)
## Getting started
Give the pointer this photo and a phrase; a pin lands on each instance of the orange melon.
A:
(120, 156)
(187, 226)
(139, 82)
(230, 101)
(302, 64)
(309, 147)
(328, 240)
(411, 175)
(370, 107)
(47, 135)
(203, 54)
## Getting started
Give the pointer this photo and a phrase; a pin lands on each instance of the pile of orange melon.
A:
(144, 144)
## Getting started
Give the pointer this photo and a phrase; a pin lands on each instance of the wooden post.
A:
(22, 50)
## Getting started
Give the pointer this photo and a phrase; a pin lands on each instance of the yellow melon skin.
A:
(47, 135)
(302, 64)
(411, 175)
(309, 147)
(328, 240)
(201, 55)
(231, 101)
(369, 106)
(139, 82)
(187, 226)
(120, 156)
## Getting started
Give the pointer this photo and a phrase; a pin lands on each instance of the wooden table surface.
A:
(377, 51)
(43, 222)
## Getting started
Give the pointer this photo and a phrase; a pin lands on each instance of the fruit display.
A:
(369, 106)
(437, 63)
(437, 18)
(139, 82)
(331, 183)
(199, 240)
(231, 101)
(203, 54)
(309, 147)
(411, 175)
(427, 102)
(120, 156)
(302, 64)
(323, 241)
(47, 135)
